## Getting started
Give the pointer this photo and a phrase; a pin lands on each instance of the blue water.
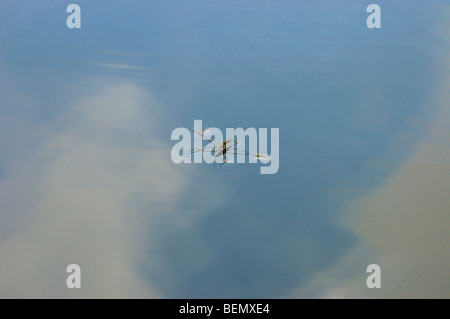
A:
(337, 91)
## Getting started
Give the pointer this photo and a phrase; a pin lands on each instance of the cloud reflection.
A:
(88, 194)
